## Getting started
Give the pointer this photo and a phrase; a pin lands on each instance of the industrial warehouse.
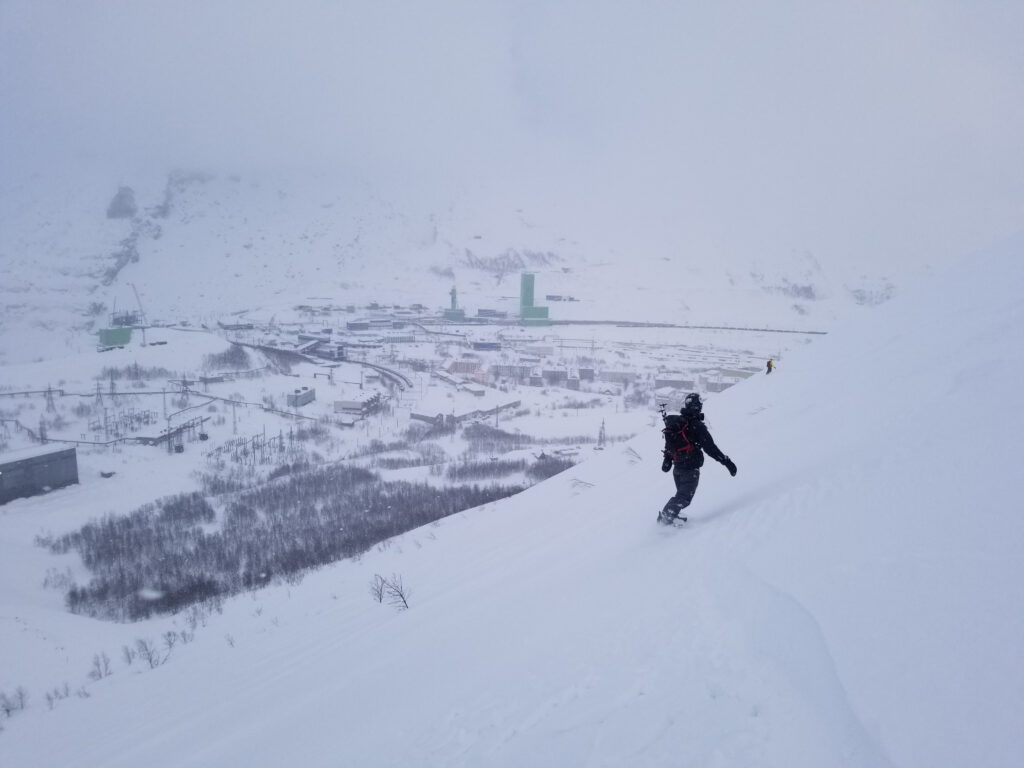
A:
(31, 471)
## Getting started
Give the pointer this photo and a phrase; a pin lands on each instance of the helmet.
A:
(692, 403)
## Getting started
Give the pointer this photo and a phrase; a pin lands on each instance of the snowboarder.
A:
(770, 366)
(687, 439)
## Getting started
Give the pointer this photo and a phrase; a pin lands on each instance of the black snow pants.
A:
(686, 486)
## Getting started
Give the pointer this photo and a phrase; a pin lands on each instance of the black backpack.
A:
(676, 441)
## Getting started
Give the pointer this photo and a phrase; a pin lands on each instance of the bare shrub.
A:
(547, 466)
(134, 372)
(147, 651)
(14, 702)
(378, 587)
(479, 470)
(234, 358)
(397, 593)
(100, 667)
(55, 579)
(57, 694)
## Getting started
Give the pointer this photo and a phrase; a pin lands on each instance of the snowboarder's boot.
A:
(670, 518)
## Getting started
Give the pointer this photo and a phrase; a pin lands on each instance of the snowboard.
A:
(671, 522)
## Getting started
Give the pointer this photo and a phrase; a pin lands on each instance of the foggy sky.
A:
(868, 131)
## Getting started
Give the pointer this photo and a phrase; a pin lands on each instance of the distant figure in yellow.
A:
(770, 366)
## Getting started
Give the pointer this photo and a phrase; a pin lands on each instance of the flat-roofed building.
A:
(36, 470)
(301, 397)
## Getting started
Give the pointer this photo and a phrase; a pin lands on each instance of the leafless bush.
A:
(148, 652)
(197, 616)
(52, 697)
(377, 587)
(547, 466)
(397, 593)
(15, 702)
(489, 440)
(479, 470)
(100, 667)
(134, 372)
(234, 358)
(55, 579)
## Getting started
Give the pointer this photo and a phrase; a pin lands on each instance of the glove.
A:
(730, 466)
(666, 465)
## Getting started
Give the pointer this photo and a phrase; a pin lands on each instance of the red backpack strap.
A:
(689, 445)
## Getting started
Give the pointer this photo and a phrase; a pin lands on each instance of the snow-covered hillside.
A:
(853, 597)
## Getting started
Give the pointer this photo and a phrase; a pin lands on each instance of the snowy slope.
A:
(851, 598)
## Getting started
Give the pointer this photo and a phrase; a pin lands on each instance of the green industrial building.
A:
(528, 313)
(115, 337)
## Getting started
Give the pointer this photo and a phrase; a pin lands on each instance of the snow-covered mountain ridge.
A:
(851, 598)
(200, 247)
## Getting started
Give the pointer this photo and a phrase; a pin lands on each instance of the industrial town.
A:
(352, 381)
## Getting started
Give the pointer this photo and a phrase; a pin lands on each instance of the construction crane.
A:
(142, 313)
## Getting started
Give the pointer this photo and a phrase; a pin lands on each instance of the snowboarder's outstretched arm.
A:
(707, 444)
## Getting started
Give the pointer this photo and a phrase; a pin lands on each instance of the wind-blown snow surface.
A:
(853, 597)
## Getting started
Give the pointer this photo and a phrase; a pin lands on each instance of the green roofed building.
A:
(115, 337)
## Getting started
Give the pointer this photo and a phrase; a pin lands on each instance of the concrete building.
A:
(330, 351)
(674, 381)
(619, 377)
(301, 397)
(717, 381)
(464, 367)
(539, 350)
(36, 470)
(358, 406)
(740, 373)
(517, 372)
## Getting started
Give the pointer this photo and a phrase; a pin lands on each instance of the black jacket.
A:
(697, 433)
